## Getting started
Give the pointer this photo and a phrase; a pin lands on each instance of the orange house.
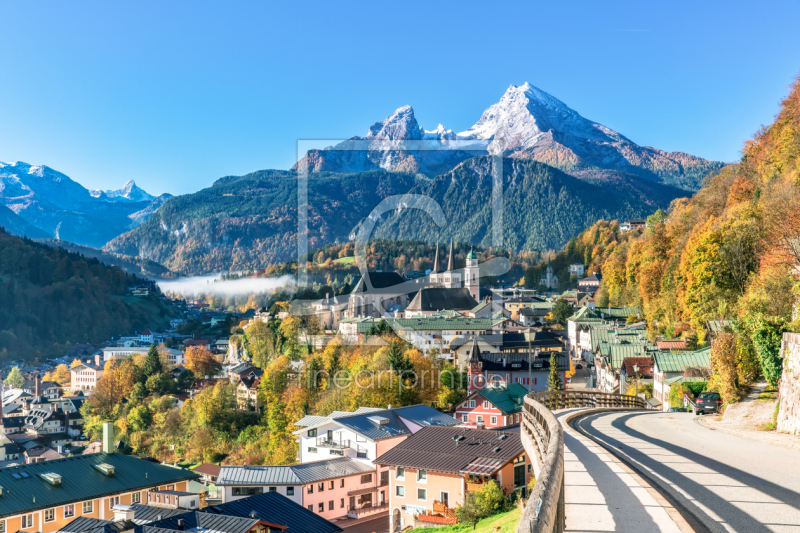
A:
(44, 497)
(432, 471)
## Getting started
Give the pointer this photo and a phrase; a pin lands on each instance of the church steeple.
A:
(436, 260)
(475, 379)
(450, 260)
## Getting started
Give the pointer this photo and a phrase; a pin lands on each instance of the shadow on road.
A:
(704, 493)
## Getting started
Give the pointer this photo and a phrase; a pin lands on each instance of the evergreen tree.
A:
(553, 379)
(398, 361)
(152, 363)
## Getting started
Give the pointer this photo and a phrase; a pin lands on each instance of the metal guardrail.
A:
(543, 440)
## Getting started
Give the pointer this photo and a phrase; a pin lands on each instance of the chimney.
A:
(480, 425)
(97, 359)
(108, 437)
(180, 524)
(38, 387)
(122, 512)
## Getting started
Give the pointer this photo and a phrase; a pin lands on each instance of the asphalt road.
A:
(724, 482)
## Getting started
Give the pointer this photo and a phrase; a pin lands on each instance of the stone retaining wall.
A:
(789, 414)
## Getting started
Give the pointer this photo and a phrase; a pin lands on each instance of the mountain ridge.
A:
(526, 123)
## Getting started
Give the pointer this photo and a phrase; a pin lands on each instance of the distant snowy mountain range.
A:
(58, 207)
(526, 123)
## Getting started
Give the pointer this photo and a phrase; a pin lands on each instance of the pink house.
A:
(329, 488)
(492, 407)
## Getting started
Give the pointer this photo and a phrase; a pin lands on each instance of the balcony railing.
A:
(325, 442)
(358, 512)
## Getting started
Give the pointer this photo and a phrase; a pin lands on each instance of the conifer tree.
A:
(152, 363)
(553, 379)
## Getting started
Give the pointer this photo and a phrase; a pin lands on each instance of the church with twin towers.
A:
(453, 278)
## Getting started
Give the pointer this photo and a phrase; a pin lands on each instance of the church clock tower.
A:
(472, 276)
(475, 377)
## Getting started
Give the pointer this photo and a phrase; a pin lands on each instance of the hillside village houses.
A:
(336, 475)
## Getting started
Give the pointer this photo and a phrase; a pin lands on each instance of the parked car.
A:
(707, 402)
(578, 367)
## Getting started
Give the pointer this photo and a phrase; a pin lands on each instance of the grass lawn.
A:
(345, 260)
(507, 522)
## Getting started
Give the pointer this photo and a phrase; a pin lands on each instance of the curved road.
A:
(718, 481)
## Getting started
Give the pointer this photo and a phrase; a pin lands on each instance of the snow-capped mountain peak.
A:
(400, 125)
(129, 191)
(525, 114)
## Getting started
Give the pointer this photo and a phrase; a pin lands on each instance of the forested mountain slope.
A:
(51, 298)
(250, 222)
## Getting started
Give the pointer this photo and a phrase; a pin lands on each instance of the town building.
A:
(84, 377)
(438, 331)
(175, 357)
(431, 472)
(46, 496)
(330, 488)
(362, 436)
(434, 300)
(488, 370)
(492, 408)
(590, 284)
(576, 269)
(379, 294)
(668, 366)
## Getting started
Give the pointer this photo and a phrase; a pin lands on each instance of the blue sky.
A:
(176, 94)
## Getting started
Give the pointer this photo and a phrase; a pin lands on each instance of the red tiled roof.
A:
(671, 345)
(207, 469)
(645, 366)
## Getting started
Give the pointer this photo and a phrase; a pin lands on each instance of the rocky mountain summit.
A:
(526, 123)
(50, 204)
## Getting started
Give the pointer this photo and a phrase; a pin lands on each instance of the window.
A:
(2, 526)
(472, 403)
(400, 473)
(27, 521)
(330, 505)
(321, 507)
(310, 489)
(485, 404)
(273, 489)
(87, 507)
(341, 484)
(422, 475)
(311, 508)
(517, 417)
(341, 503)
(49, 515)
(112, 501)
(330, 484)
(480, 419)
(170, 487)
(247, 491)
(136, 497)
(421, 494)
(399, 490)
(464, 419)
(361, 455)
(290, 491)
(69, 511)
(320, 487)
(311, 449)
(337, 452)
(366, 478)
(493, 420)
(312, 433)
